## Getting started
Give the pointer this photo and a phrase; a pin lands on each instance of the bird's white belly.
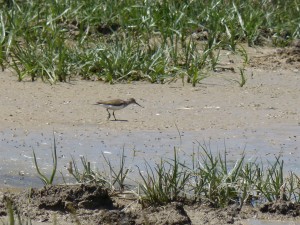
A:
(113, 107)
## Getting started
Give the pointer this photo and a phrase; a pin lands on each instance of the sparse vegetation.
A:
(207, 178)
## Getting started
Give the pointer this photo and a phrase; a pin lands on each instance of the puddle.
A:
(16, 147)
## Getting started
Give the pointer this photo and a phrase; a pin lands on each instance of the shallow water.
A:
(269, 222)
(16, 146)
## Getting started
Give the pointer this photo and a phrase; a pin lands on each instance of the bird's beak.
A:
(139, 104)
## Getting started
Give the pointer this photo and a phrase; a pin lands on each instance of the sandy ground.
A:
(270, 97)
(217, 107)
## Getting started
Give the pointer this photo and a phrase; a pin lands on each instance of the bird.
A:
(116, 104)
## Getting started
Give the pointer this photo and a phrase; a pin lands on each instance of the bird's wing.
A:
(116, 102)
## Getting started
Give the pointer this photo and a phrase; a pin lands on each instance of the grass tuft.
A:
(43, 177)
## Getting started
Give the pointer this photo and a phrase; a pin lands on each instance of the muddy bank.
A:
(89, 204)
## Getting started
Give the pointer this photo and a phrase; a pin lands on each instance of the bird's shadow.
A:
(119, 120)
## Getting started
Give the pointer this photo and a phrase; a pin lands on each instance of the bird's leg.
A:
(114, 115)
(108, 114)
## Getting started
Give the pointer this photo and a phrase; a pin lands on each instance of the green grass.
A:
(111, 176)
(213, 180)
(164, 183)
(132, 40)
(42, 176)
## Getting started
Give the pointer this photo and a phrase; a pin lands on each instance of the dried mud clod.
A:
(281, 207)
(291, 54)
(173, 213)
(115, 217)
(63, 197)
(285, 57)
(63, 200)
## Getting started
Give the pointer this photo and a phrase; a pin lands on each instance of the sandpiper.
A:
(116, 104)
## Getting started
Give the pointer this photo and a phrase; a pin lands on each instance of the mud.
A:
(89, 204)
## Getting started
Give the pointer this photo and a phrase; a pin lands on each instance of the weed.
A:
(2, 42)
(243, 79)
(87, 175)
(43, 177)
(164, 183)
(269, 185)
(119, 175)
(212, 181)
